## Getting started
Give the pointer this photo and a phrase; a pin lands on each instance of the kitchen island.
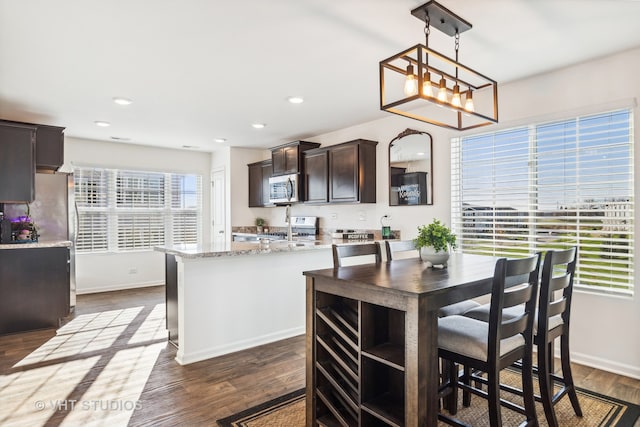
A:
(236, 295)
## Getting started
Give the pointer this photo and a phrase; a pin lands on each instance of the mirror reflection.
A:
(410, 169)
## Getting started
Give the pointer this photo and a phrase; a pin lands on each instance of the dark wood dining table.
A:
(372, 338)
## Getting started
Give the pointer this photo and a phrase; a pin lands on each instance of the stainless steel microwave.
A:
(284, 189)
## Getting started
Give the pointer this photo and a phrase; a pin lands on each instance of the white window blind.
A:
(551, 186)
(121, 210)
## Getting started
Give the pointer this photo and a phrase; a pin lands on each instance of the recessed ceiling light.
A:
(420, 153)
(122, 101)
(295, 99)
(102, 124)
(258, 125)
(120, 138)
(220, 140)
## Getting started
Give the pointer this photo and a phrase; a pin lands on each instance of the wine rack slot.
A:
(383, 335)
(383, 392)
(335, 403)
(326, 353)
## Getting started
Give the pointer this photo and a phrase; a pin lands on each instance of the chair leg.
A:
(466, 379)
(527, 389)
(450, 380)
(546, 384)
(452, 398)
(567, 375)
(493, 390)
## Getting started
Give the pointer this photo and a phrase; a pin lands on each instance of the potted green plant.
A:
(434, 242)
(260, 222)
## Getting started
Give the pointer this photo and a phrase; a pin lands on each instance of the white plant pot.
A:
(431, 257)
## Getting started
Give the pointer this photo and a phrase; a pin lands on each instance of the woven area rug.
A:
(598, 410)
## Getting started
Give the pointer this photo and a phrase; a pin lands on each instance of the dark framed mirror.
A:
(411, 169)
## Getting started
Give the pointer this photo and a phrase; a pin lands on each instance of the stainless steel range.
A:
(302, 227)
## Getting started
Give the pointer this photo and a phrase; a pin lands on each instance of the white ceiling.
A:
(197, 70)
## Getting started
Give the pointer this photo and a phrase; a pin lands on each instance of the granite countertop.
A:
(40, 244)
(226, 249)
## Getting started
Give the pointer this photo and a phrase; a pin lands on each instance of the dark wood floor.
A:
(114, 353)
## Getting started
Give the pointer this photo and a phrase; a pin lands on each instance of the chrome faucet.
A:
(287, 218)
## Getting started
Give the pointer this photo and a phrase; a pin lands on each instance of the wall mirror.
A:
(410, 169)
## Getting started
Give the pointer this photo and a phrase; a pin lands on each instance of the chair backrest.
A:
(558, 270)
(526, 271)
(355, 250)
(395, 246)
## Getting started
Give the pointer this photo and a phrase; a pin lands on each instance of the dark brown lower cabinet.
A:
(34, 288)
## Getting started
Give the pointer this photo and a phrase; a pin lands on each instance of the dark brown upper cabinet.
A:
(49, 148)
(17, 162)
(49, 145)
(352, 172)
(287, 158)
(411, 169)
(316, 170)
(259, 174)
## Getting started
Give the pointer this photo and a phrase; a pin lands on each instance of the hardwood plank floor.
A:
(111, 365)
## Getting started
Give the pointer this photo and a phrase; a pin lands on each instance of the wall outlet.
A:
(334, 216)
(362, 216)
(133, 271)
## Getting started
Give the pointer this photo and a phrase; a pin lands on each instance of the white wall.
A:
(604, 328)
(111, 271)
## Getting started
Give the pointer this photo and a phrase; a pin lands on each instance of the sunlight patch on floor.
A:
(35, 394)
(153, 328)
(92, 372)
(84, 334)
(114, 395)
(100, 320)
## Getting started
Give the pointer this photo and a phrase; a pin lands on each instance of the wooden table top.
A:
(469, 275)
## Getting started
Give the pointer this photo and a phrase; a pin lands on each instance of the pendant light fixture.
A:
(407, 79)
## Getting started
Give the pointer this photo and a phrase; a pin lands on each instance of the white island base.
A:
(238, 300)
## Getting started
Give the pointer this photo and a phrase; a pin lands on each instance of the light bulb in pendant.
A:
(468, 105)
(455, 99)
(410, 83)
(427, 87)
(442, 91)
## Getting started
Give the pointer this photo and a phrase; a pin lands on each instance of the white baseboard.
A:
(119, 287)
(185, 359)
(605, 365)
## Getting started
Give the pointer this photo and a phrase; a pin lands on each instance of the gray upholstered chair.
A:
(393, 247)
(370, 250)
(494, 345)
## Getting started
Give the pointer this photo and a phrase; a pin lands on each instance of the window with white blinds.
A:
(551, 186)
(121, 210)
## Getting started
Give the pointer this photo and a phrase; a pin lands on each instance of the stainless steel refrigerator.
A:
(54, 213)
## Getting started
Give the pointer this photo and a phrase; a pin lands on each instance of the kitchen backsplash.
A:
(325, 232)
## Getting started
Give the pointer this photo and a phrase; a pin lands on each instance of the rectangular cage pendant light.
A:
(423, 84)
